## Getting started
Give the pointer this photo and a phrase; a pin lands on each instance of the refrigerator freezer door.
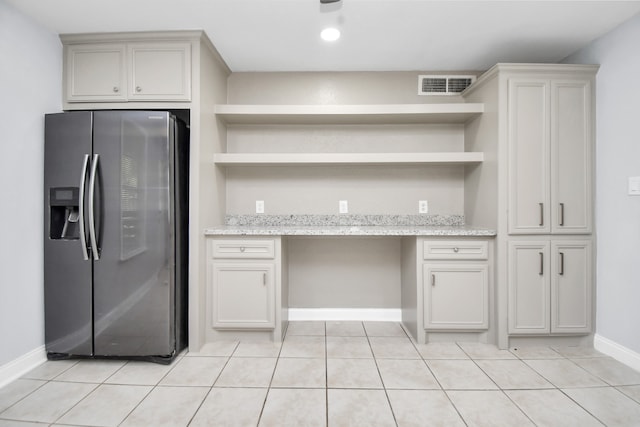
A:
(67, 274)
(133, 278)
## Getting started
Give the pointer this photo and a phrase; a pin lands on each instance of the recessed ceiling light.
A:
(330, 34)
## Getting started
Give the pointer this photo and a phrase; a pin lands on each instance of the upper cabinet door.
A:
(96, 72)
(529, 199)
(160, 72)
(571, 156)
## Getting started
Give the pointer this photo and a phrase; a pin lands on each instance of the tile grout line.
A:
(447, 394)
(212, 384)
(500, 388)
(275, 367)
(23, 397)
(97, 385)
(375, 360)
(46, 381)
(554, 386)
(582, 407)
(153, 386)
(326, 378)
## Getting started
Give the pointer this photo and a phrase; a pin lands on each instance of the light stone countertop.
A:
(347, 225)
(331, 230)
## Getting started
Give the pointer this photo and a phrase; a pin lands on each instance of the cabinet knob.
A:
(455, 250)
(138, 89)
(242, 248)
(116, 89)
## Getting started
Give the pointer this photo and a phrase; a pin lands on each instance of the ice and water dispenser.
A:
(64, 213)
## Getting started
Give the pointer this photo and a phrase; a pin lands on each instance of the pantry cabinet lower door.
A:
(529, 287)
(571, 287)
(243, 296)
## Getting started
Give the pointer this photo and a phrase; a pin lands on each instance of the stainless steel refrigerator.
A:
(115, 244)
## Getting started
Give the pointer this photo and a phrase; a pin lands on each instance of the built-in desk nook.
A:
(434, 278)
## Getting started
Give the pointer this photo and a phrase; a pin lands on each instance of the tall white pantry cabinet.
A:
(539, 123)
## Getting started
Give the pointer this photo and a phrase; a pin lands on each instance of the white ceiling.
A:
(283, 35)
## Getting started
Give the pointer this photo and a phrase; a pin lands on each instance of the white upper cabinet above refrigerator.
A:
(126, 72)
(550, 156)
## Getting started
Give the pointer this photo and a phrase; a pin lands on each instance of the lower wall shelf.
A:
(243, 159)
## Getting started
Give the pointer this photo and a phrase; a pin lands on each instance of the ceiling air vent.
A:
(443, 85)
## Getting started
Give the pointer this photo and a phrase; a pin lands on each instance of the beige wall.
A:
(330, 88)
(344, 272)
(317, 189)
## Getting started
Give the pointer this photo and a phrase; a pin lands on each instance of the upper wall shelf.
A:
(348, 114)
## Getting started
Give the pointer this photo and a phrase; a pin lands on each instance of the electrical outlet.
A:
(259, 206)
(423, 206)
(634, 186)
(343, 206)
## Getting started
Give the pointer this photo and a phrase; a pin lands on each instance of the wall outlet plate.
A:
(634, 186)
(259, 206)
(343, 206)
(423, 206)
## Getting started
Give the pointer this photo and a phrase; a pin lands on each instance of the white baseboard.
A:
(346, 314)
(617, 351)
(20, 366)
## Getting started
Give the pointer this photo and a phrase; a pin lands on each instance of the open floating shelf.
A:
(245, 159)
(348, 114)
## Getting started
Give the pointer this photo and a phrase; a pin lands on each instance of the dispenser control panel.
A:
(63, 196)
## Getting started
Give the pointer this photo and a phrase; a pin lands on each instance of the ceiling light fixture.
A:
(330, 34)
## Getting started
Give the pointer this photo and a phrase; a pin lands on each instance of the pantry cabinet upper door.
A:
(571, 156)
(96, 73)
(529, 199)
(160, 72)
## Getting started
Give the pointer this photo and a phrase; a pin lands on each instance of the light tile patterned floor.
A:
(334, 374)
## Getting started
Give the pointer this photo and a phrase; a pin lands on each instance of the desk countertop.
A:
(375, 230)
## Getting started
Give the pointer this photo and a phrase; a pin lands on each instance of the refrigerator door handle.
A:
(92, 216)
(83, 184)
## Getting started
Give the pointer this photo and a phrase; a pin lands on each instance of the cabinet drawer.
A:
(455, 249)
(263, 249)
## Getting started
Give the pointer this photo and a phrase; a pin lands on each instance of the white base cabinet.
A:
(446, 286)
(550, 287)
(244, 285)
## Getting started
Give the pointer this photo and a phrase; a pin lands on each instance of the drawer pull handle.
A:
(541, 214)
(242, 248)
(433, 280)
(116, 89)
(561, 214)
(561, 264)
(455, 250)
(138, 89)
